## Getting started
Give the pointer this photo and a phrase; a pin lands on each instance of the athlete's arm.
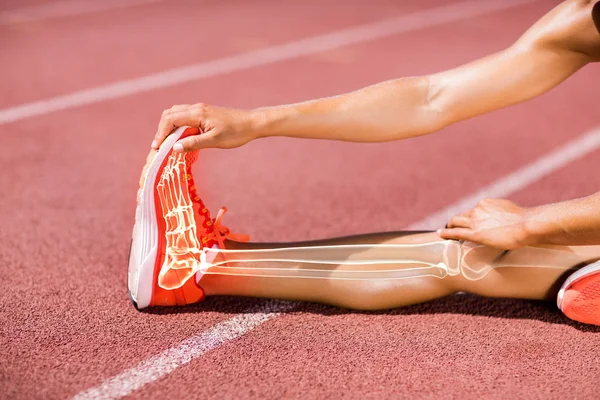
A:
(505, 225)
(553, 49)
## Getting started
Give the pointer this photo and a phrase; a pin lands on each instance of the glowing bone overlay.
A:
(182, 248)
(185, 254)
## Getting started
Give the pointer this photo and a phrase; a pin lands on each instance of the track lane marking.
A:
(63, 9)
(166, 362)
(517, 180)
(269, 55)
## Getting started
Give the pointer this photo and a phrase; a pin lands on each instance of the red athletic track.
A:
(68, 195)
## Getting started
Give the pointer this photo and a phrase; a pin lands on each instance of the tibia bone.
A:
(384, 261)
(363, 261)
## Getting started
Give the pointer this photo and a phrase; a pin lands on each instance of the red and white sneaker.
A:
(579, 296)
(172, 227)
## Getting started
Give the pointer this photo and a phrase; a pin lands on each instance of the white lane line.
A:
(62, 9)
(268, 55)
(519, 179)
(166, 362)
(158, 366)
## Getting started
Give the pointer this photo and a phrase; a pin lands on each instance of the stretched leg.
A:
(517, 275)
(173, 230)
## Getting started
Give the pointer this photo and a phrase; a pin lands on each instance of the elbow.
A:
(438, 114)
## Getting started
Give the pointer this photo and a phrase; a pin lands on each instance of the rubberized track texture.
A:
(83, 87)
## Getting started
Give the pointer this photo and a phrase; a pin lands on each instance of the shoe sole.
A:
(145, 242)
(579, 296)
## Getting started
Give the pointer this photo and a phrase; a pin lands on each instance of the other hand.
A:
(494, 222)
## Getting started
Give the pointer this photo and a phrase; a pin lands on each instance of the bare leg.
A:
(520, 281)
(187, 220)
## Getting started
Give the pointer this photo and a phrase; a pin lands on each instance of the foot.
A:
(579, 296)
(172, 227)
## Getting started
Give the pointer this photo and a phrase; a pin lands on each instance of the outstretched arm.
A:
(553, 49)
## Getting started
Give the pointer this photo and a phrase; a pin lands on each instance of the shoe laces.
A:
(220, 232)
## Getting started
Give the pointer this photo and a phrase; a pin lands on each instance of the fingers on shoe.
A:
(171, 119)
(195, 142)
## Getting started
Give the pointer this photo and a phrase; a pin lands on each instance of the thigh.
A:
(528, 273)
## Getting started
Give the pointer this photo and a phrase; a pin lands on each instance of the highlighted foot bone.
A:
(183, 249)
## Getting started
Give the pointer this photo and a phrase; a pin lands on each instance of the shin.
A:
(351, 262)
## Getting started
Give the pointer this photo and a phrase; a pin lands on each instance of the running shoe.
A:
(172, 227)
(579, 296)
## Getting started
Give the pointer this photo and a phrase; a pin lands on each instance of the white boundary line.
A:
(166, 362)
(62, 9)
(518, 179)
(268, 55)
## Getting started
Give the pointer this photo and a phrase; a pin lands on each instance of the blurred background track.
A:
(69, 179)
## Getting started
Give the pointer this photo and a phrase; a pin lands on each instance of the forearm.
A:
(414, 106)
(573, 222)
(548, 53)
(554, 48)
(386, 111)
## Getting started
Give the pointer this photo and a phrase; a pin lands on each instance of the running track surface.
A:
(69, 180)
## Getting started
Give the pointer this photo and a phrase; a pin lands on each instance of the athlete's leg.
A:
(531, 273)
(356, 294)
(174, 233)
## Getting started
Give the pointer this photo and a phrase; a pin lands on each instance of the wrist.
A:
(267, 121)
(537, 227)
(257, 122)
